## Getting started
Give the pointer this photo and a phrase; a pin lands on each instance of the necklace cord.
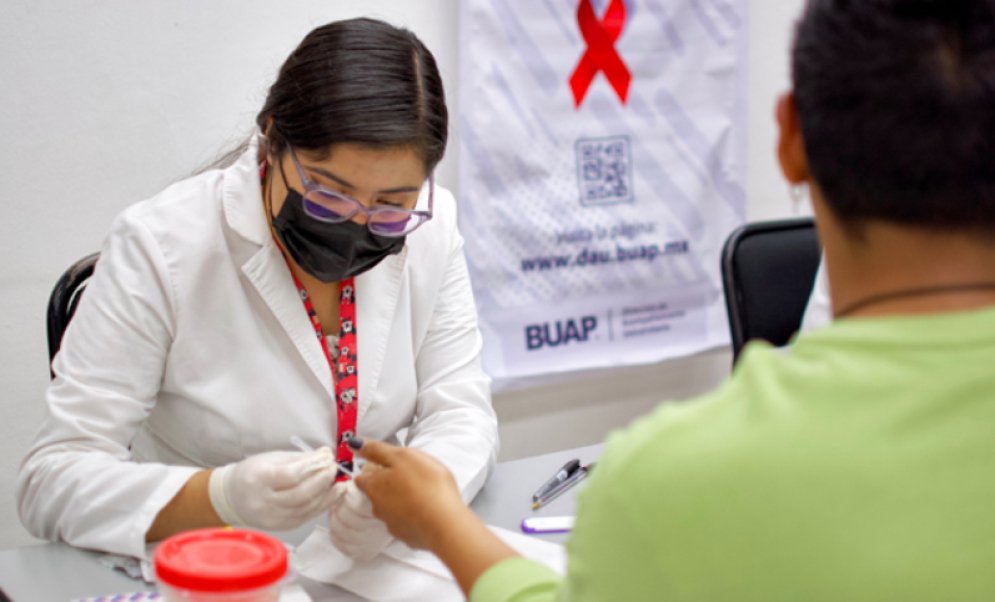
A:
(917, 292)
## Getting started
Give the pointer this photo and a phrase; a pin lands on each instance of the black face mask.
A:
(330, 252)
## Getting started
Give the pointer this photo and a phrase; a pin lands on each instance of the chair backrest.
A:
(65, 297)
(768, 270)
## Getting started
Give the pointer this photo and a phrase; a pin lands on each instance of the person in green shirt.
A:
(859, 463)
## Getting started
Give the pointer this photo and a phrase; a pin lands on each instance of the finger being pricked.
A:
(410, 483)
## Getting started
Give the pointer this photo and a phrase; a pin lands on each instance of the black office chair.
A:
(768, 270)
(65, 297)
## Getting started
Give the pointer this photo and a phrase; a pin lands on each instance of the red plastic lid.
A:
(220, 560)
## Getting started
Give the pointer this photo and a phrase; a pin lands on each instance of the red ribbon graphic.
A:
(601, 54)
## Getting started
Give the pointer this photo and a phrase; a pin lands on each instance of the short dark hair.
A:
(896, 100)
(360, 81)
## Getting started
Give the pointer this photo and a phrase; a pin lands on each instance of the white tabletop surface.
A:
(55, 572)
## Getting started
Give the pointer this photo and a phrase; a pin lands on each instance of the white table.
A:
(55, 572)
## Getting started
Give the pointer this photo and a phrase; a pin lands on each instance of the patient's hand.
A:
(412, 492)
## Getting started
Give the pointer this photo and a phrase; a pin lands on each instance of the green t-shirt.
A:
(858, 464)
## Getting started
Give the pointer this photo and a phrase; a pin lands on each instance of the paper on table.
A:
(402, 574)
(291, 593)
(294, 593)
(544, 552)
(135, 597)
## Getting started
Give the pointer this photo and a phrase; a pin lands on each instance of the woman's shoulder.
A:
(195, 214)
(196, 205)
(185, 206)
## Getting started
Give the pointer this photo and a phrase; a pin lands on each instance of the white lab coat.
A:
(191, 348)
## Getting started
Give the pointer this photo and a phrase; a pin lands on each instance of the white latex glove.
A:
(275, 491)
(352, 527)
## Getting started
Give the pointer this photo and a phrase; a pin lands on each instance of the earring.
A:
(799, 194)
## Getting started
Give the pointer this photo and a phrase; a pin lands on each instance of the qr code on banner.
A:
(604, 171)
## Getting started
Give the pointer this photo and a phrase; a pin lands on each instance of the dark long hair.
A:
(363, 82)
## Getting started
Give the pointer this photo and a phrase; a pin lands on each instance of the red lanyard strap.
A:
(345, 374)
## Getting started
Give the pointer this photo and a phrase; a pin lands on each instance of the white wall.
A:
(104, 103)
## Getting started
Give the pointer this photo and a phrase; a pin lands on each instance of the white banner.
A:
(602, 166)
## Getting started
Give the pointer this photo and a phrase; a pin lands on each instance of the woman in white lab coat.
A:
(194, 346)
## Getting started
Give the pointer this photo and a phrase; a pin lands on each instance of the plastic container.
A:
(221, 565)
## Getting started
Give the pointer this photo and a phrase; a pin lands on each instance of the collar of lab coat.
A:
(377, 290)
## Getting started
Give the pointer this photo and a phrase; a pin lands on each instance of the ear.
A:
(791, 145)
(269, 126)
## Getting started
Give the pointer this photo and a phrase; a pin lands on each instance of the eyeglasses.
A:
(334, 207)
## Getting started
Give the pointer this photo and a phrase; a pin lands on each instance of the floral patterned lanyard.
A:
(345, 372)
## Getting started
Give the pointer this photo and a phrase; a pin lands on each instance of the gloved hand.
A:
(275, 491)
(352, 527)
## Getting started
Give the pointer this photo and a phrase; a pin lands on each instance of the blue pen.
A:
(568, 470)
